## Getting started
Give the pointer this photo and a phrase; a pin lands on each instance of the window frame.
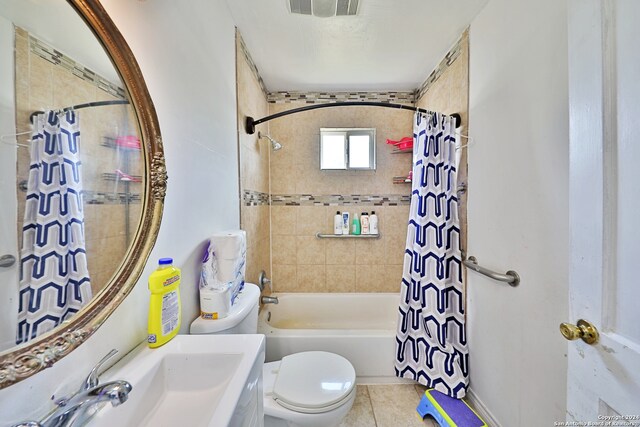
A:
(347, 132)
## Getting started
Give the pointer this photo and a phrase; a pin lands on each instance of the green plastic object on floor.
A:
(448, 411)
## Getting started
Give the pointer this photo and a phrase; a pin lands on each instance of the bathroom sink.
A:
(203, 380)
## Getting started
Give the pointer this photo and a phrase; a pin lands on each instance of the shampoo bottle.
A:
(373, 223)
(355, 225)
(164, 305)
(337, 223)
(364, 222)
(345, 223)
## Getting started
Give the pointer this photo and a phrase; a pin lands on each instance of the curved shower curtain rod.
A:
(250, 123)
(86, 105)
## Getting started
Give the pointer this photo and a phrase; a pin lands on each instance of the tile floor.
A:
(387, 405)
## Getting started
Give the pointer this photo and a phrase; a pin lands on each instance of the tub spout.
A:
(269, 300)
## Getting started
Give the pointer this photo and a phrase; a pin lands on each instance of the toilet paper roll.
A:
(215, 303)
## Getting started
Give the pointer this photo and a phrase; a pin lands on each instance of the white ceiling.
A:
(390, 45)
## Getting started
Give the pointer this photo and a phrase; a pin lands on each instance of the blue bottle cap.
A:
(165, 261)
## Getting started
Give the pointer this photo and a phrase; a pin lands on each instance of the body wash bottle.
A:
(337, 223)
(355, 225)
(373, 223)
(345, 223)
(364, 223)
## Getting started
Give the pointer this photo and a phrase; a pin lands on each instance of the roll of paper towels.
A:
(230, 249)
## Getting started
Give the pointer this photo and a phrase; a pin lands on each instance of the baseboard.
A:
(481, 409)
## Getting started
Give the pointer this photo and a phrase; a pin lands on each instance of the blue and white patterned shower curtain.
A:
(431, 343)
(54, 279)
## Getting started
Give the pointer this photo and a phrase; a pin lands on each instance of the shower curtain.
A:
(54, 279)
(431, 343)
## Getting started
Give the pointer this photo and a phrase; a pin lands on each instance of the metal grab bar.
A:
(511, 277)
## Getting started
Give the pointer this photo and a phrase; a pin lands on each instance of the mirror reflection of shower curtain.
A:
(54, 278)
(431, 343)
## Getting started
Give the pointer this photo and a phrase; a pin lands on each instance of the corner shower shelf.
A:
(347, 236)
(409, 151)
(401, 180)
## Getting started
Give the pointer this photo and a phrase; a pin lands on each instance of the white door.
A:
(604, 94)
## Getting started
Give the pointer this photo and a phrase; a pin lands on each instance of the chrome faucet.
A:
(268, 300)
(75, 410)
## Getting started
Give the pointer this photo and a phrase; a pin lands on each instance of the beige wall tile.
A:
(284, 249)
(40, 83)
(392, 278)
(341, 278)
(257, 260)
(395, 220)
(370, 278)
(311, 220)
(311, 278)
(370, 251)
(283, 220)
(340, 252)
(310, 250)
(285, 278)
(394, 247)
(283, 181)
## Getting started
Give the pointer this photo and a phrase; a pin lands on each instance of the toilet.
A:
(307, 389)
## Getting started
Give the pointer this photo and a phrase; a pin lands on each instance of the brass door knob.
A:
(583, 329)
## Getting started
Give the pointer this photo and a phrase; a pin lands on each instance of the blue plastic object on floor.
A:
(448, 411)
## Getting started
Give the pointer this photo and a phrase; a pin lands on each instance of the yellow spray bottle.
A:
(164, 306)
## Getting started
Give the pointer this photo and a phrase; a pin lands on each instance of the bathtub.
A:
(358, 326)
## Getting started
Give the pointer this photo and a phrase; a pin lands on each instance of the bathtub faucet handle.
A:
(264, 280)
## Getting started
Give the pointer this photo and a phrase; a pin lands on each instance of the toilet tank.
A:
(242, 318)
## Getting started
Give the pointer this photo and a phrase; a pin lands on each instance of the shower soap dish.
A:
(448, 411)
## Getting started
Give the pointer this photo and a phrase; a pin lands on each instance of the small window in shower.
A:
(347, 148)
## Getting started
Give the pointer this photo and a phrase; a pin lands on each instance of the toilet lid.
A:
(313, 381)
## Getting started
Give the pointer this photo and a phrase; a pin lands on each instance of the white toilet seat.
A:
(278, 415)
(313, 382)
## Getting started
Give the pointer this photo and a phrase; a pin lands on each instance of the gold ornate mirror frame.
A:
(29, 359)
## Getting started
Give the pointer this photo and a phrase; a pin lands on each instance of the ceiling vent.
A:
(324, 8)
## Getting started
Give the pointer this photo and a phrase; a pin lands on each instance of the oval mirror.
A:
(82, 178)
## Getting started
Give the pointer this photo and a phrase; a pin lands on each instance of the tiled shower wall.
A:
(447, 91)
(303, 199)
(46, 80)
(303, 206)
(254, 166)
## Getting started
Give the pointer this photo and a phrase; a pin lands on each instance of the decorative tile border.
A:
(340, 200)
(49, 53)
(254, 198)
(446, 62)
(252, 65)
(285, 97)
